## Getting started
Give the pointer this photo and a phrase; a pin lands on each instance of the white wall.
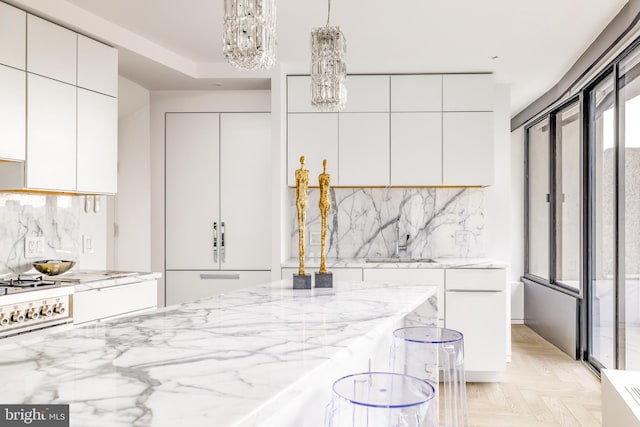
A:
(130, 242)
(516, 225)
(187, 101)
(94, 225)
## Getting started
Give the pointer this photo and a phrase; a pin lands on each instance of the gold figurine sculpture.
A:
(302, 197)
(324, 279)
(324, 179)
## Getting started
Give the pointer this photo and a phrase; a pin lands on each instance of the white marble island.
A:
(259, 356)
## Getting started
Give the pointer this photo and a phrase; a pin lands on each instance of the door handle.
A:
(223, 250)
(215, 241)
(219, 276)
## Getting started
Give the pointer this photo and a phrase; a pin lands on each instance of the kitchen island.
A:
(259, 356)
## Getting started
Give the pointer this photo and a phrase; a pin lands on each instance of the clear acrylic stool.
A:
(379, 399)
(435, 355)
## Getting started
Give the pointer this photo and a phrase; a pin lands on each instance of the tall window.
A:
(567, 196)
(602, 295)
(629, 232)
(538, 183)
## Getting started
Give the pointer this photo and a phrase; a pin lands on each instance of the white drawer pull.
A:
(232, 276)
(116, 287)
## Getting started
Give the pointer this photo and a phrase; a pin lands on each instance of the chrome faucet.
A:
(399, 247)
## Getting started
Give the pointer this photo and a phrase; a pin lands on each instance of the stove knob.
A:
(45, 311)
(32, 314)
(59, 308)
(3, 320)
(17, 317)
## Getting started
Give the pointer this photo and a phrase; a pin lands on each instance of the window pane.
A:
(601, 102)
(538, 199)
(568, 196)
(629, 87)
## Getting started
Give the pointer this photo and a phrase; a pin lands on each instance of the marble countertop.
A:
(231, 360)
(362, 263)
(86, 280)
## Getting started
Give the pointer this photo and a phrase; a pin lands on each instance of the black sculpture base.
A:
(324, 280)
(301, 282)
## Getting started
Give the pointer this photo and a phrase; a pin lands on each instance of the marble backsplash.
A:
(55, 217)
(440, 222)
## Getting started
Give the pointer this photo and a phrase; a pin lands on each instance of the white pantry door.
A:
(245, 190)
(192, 190)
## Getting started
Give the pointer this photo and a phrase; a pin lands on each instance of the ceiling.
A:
(169, 44)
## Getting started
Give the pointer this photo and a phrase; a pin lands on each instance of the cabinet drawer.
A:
(113, 301)
(187, 286)
(476, 279)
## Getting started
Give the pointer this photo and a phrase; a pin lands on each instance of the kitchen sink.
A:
(399, 260)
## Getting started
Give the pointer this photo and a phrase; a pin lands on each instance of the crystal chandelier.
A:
(249, 35)
(328, 68)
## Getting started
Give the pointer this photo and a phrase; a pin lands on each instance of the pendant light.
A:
(249, 34)
(328, 67)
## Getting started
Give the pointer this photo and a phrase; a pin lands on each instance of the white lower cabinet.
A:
(187, 286)
(476, 306)
(339, 274)
(114, 301)
(413, 276)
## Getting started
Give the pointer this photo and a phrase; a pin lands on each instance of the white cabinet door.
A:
(112, 301)
(467, 92)
(187, 286)
(474, 294)
(51, 130)
(363, 149)
(367, 94)
(299, 94)
(416, 149)
(97, 66)
(13, 103)
(192, 189)
(51, 50)
(416, 93)
(413, 276)
(314, 136)
(485, 340)
(13, 36)
(467, 148)
(245, 190)
(97, 143)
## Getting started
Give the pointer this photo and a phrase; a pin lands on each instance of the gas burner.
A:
(19, 284)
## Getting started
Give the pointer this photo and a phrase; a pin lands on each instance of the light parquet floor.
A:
(542, 386)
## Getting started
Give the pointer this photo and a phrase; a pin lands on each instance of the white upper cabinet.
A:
(97, 149)
(467, 92)
(367, 94)
(363, 149)
(467, 144)
(416, 149)
(299, 94)
(416, 93)
(13, 32)
(51, 50)
(314, 136)
(51, 129)
(97, 66)
(13, 103)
